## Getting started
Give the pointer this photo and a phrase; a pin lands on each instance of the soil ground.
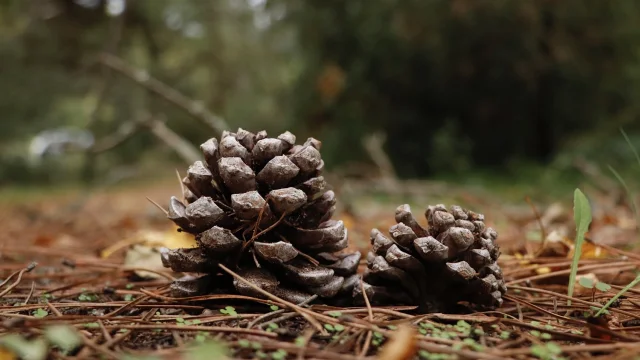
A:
(92, 247)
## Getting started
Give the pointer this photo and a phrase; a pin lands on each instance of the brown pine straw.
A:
(19, 273)
(367, 340)
(288, 304)
(149, 323)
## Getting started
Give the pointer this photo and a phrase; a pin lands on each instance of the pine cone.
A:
(452, 261)
(260, 205)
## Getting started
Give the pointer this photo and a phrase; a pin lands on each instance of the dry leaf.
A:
(171, 239)
(556, 244)
(6, 354)
(143, 249)
(142, 256)
(402, 345)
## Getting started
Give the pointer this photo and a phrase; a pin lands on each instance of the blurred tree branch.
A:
(157, 127)
(125, 131)
(180, 145)
(142, 78)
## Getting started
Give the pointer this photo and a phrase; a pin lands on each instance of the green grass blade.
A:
(582, 217)
(624, 290)
(626, 138)
(630, 195)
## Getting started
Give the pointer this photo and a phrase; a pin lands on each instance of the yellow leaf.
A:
(590, 251)
(543, 270)
(171, 239)
(6, 354)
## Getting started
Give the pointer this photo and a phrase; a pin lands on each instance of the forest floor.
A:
(83, 279)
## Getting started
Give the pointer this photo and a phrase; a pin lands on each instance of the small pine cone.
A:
(451, 261)
(260, 205)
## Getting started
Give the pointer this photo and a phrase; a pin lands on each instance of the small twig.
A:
(224, 329)
(594, 268)
(33, 286)
(53, 309)
(260, 215)
(181, 184)
(157, 272)
(255, 259)
(377, 309)
(166, 212)
(99, 348)
(367, 340)
(520, 317)
(305, 313)
(30, 267)
(306, 338)
(117, 339)
(288, 315)
(177, 338)
(309, 258)
(150, 314)
(577, 300)
(105, 333)
(633, 347)
(254, 237)
(206, 298)
(127, 306)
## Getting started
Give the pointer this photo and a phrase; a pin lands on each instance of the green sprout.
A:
(229, 310)
(582, 217)
(279, 354)
(40, 313)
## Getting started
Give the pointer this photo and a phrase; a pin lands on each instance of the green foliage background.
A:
(455, 85)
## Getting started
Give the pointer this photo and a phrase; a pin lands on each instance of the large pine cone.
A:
(451, 262)
(260, 205)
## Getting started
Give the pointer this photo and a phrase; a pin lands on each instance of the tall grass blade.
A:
(613, 299)
(630, 195)
(582, 218)
(626, 138)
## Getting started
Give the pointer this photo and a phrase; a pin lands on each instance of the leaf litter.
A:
(68, 293)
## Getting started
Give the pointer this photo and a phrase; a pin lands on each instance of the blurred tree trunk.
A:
(544, 142)
(220, 75)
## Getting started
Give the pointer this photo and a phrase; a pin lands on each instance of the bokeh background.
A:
(497, 92)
